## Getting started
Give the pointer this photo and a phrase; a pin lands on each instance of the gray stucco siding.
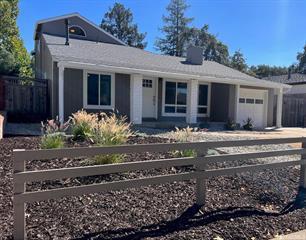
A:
(220, 98)
(73, 93)
(58, 28)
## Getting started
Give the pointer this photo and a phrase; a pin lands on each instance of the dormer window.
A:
(77, 30)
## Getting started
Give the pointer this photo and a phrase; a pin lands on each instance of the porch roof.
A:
(98, 53)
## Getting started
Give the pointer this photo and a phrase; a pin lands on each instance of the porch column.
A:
(279, 108)
(136, 99)
(270, 110)
(236, 113)
(192, 101)
(61, 92)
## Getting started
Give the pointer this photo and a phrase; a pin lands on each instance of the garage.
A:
(253, 104)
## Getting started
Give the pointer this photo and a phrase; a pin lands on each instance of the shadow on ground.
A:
(193, 217)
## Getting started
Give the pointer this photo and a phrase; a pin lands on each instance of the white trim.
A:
(164, 114)
(180, 76)
(61, 99)
(81, 17)
(77, 34)
(208, 99)
(102, 107)
(279, 108)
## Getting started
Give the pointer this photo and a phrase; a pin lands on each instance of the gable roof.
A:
(295, 78)
(134, 59)
(40, 22)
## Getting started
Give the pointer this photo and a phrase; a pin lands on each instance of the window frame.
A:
(207, 114)
(175, 114)
(73, 34)
(85, 83)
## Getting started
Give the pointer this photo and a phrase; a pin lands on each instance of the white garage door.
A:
(253, 104)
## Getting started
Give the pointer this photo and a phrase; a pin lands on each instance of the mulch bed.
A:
(238, 207)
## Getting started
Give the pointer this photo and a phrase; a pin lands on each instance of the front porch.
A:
(168, 100)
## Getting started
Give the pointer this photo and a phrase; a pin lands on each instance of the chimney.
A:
(194, 55)
(289, 73)
(67, 31)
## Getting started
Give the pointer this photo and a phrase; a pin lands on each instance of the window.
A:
(77, 30)
(99, 91)
(175, 98)
(203, 99)
(147, 83)
(241, 100)
(249, 100)
(258, 101)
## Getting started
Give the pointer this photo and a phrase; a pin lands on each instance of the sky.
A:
(266, 31)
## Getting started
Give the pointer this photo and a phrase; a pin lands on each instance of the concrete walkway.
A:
(293, 236)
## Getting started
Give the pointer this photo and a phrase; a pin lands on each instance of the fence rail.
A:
(198, 172)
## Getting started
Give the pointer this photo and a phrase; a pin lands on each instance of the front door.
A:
(149, 98)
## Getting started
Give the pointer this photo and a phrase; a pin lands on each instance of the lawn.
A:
(245, 206)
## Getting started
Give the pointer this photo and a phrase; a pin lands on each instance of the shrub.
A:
(54, 134)
(109, 131)
(83, 124)
(53, 140)
(184, 135)
(230, 125)
(248, 124)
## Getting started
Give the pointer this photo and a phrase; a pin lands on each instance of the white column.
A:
(61, 92)
(136, 99)
(236, 113)
(279, 108)
(192, 101)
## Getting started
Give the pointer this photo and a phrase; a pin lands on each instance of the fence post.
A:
(19, 207)
(200, 179)
(303, 167)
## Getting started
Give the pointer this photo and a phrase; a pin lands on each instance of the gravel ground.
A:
(246, 206)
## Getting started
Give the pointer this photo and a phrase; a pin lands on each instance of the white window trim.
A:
(208, 99)
(77, 34)
(174, 105)
(87, 106)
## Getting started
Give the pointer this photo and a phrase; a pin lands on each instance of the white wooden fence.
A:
(200, 172)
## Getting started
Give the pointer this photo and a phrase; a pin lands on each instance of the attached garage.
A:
(253, 104)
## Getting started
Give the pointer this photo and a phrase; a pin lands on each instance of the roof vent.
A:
(67, 31)
(195, 55)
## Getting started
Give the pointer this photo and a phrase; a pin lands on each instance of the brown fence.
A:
(294, 110)
(198, 172)
(24, 99)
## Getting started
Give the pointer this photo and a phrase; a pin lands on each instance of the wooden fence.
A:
(294, 110)
(24, 99)
(199, 172)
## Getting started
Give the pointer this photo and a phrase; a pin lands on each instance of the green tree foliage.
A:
(118, 21)
(176, 31)
(301, 57)
(238, 62)
(263, 70)
(14, 56)
(213, 49)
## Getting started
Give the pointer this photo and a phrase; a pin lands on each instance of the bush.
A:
(82, 125)
(184, 135)
(53, 140)
(248, 124)
(109, 131)
(54, 134)
(230, 125)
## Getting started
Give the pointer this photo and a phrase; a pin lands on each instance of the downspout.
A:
(67, 31)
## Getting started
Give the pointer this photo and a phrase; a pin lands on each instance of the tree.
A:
(301, 57)
(11, 45)
(176, 31)
(213, 49)
(118, 21)
(263, 70)
(238, 62)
